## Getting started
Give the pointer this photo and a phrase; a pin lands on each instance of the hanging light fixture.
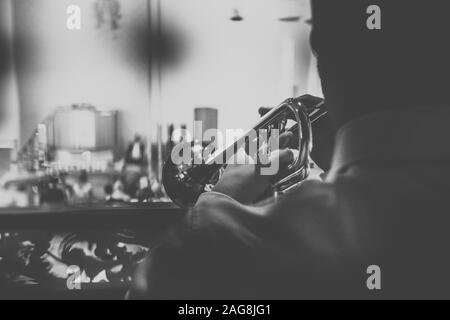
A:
(290, 19)
(236, 16)
(108, 14)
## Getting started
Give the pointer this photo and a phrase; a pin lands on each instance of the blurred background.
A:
(86, 116)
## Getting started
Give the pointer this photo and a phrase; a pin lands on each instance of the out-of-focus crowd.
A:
(131, 183)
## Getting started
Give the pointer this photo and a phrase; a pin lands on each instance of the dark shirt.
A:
(384, 202)
(55, 195)
(140, 159)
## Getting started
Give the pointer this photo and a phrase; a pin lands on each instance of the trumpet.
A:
(186, 182)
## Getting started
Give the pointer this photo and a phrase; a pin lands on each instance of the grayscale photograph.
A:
(220, 158)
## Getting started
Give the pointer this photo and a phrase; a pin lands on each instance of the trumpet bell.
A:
(184, 184)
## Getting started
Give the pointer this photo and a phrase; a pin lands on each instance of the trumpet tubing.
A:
(185, 182)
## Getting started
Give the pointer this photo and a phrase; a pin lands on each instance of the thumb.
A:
(284, 157)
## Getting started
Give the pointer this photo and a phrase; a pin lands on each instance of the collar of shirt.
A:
(398, 135)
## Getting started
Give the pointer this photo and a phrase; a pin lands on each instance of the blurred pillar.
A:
(9, 102)
(154, 135)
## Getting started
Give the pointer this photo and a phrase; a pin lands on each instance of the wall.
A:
(59, 67)
(208, 60)
(235, 66)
